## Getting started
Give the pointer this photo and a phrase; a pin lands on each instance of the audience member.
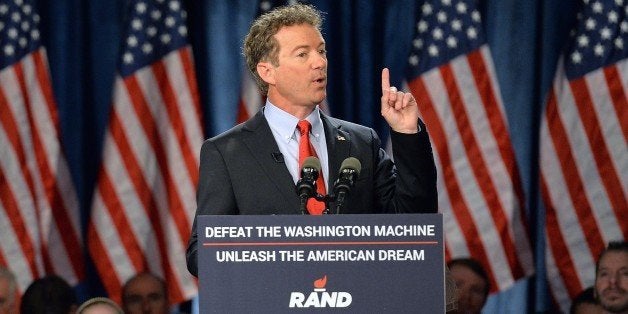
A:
(585, 303)
(611, 278)
(145, 293)
(8, 288)
(49, 295)
(451, 297)
(472, 284)
(99, 306)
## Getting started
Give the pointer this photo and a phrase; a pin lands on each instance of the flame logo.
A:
(320, 283)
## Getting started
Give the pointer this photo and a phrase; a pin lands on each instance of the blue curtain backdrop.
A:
(83, 37)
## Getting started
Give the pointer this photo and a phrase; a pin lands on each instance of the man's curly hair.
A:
(260, 44)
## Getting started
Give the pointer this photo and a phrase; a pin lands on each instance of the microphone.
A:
(349, 171)
(306, 186)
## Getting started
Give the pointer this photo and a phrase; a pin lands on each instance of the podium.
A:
(376, 263)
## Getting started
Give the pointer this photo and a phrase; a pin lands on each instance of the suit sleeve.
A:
(214, 195)
(412, 187)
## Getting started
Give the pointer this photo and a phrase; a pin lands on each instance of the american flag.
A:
(452, 77)
(39, 211)
(584, 159)
(144, 201)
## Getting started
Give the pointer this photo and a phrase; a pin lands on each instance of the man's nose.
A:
(320, 61)
(146, 306)
(613, 279)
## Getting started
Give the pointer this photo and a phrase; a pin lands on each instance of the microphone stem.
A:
(303, 205)
(340, 201)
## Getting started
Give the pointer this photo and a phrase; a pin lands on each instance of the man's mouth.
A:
(320, 80)
(614, 294)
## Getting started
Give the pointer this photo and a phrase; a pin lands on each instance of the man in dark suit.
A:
(252, 168)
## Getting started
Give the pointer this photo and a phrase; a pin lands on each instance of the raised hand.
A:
(399, 109)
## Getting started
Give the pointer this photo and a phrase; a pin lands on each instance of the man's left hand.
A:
(399, 109)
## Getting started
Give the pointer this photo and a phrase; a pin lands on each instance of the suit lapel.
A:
(338, 147)
(260, 141)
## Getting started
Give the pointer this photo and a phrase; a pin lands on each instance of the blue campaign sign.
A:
(301, 263)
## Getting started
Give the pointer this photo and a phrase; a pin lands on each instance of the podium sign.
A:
(296, 263)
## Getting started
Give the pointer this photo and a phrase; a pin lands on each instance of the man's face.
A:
(611, 282)
(300, 79)
(144, 294)
(470, 289)
(6, 299)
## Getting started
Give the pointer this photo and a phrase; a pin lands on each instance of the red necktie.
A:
(314, 207)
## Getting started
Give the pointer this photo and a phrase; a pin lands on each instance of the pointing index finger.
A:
(385, 80)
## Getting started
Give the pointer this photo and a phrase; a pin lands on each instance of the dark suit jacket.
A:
(241, 173)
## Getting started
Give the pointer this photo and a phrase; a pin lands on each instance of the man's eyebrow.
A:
(300, 47)
(305, 46)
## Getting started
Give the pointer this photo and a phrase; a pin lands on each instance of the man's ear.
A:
(266, 71)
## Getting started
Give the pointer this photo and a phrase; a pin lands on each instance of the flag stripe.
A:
(171, 131)
(559, 293)
(495, 116)
(562, 225)
(179, 66)
(504, 171)
(47, 151)
(575, 185)
(455, 239)
(11, 207)
(42, 172)
(488, 124)
(618, 96)
(19, 259)
(140, 186)
(176, 121)
(113, 251)
(191, 123)
(566, 268)
(616, 120)
(111, 202)
(9, 122)
(37, 159)
(133, 128)
(192, 117)
(479, 169)
(167, 183)
(14, 211)
(608, 176)
(610, 200)
(459, 207)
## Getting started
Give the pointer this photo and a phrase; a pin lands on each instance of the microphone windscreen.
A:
(312, 162)
(351, 163)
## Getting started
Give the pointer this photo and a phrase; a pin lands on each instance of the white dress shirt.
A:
(284, 128)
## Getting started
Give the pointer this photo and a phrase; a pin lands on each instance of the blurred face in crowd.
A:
(470, 288)
(611, 282)
(145, 294)
(7, 303)
(298, 82)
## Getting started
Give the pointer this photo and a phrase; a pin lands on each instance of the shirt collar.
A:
(285, 124)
